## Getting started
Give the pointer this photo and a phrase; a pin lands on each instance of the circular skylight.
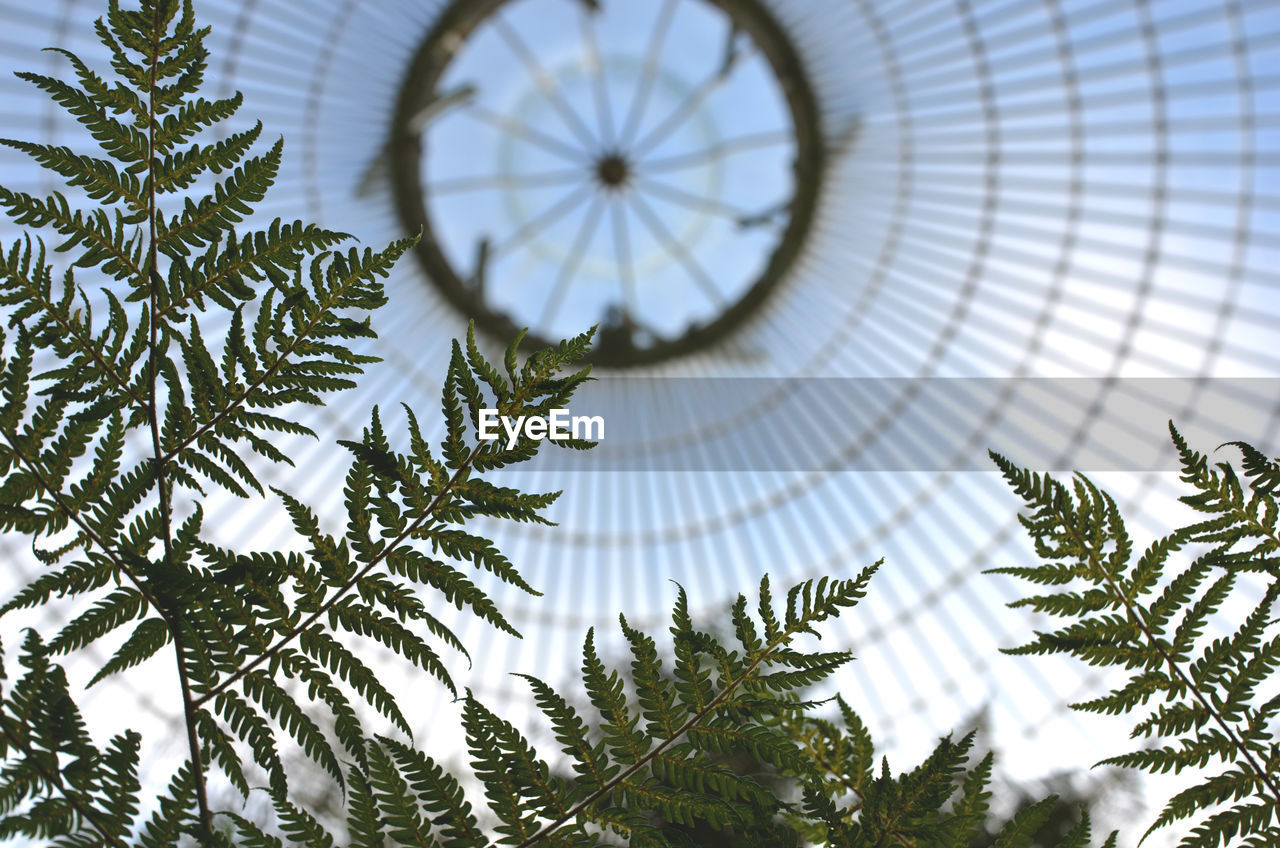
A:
(647, 167)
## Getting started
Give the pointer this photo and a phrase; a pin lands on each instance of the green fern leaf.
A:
(172, 817)
(1207, 708)
(364, 823)
(1020, 832)
(253, 730)
(143, 643)
(117, 609)
(281, 708)
(397, 809)
(439, 794)
(317, 644)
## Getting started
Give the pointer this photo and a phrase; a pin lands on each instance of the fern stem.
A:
(377, 558)
(164, 458)
(900, 811)
(1138, 616)
(55, 779)
(88, 345)
(211, 281)
(1245, 516)
(154, 281)
(821, 762)
(72, 514)
(693, 721)
(342, 591)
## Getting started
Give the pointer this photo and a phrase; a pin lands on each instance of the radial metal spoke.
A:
(536, 225)
(678, 116)
(540, 179)
(678, 250)
(569, 269)
(527, 133)
(545, 83)
(599, 86)
(695, 202)
(622, 246)
(718, 150)
(640, 101)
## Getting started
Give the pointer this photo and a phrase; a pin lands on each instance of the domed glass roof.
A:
(838, 250)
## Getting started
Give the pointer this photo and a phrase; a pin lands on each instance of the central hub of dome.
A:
(613, 172)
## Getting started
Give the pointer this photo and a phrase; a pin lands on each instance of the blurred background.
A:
(837, 249)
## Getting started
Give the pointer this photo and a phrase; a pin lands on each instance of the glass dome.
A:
(838, 249)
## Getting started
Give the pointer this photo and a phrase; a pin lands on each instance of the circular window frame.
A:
(454, 25)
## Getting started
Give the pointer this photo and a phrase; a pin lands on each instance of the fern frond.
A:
(143, 643)
(120, 607)
(280, 707)
(172, 817)
(364, 824)
(252, 729)
(124, 142)
(439, 794)
(626, 766)
(321, 687)
(56, 783)
(203, 222)
(848, 803)
(191, 117)
(110, 243)
(1206, 692)
(589, 760)
(297, 355)
(1020, 832)
(223, 271)
(330, 654)
(970, 809)
(98, 177)
(1263, 473)
(363, 620)
(220, 750)
(397, 809)
(300, 826)
(635, 762)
